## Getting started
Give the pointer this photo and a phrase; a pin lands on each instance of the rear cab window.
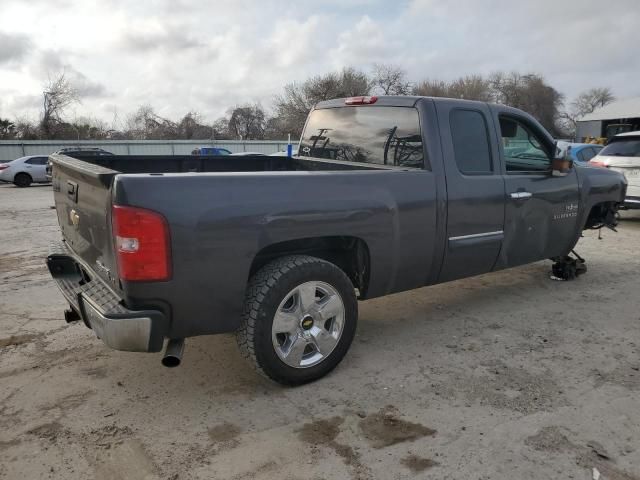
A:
(379, 135)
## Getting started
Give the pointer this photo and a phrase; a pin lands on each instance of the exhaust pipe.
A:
(173, 353)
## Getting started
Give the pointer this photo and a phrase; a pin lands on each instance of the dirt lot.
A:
(503, 376)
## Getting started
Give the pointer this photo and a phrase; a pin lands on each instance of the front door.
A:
(541, 209)
(475, 190)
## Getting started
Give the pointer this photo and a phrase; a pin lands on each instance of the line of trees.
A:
(529, 92)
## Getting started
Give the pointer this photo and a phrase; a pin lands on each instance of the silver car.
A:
(622, 154)
(24, 171)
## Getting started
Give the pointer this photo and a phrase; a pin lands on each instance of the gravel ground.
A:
(503, 376)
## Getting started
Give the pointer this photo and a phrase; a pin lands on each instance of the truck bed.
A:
(220, 163)
(216, 206)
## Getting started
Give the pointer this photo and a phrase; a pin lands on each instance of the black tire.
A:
(22, 180)
(266, 290)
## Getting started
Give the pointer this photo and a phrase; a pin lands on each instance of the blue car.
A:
(581, 153)
(210, 151)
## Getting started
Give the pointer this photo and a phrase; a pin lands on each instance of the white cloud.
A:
(367, 42)
(207, 56)
(13, 47)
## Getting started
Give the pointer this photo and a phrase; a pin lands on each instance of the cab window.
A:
(523, 149)
(470, 138)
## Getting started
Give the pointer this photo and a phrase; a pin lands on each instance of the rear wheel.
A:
(22, 180)
(299, 319)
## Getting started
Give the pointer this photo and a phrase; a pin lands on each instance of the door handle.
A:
(521, 195)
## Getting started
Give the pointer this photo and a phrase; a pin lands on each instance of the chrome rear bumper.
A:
(103, 310)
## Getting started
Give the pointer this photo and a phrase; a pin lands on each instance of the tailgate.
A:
(82, 194)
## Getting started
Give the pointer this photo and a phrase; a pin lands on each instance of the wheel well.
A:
(351, 254)
(601, 214)
(23, 173)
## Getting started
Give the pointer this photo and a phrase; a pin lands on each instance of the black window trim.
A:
(486, 128)
(532, 129)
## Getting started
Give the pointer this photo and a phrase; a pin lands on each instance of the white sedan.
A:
(622, 154)
(24, 171)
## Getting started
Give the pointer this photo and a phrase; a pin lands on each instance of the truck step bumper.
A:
(101, 309)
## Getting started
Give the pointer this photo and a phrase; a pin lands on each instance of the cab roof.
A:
(393, 101)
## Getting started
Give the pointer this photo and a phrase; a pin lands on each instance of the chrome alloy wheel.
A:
(308, 324)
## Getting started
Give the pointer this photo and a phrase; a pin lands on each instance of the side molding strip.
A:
(477, 235)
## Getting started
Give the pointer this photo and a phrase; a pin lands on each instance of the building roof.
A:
(626, 108)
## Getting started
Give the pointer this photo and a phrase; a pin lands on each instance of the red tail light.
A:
(360, 100)
(3, 166)
(142, 244)
(598, 163)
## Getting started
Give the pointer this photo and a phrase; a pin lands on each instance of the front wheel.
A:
(299, 319)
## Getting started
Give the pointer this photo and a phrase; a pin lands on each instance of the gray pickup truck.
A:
(386, 194)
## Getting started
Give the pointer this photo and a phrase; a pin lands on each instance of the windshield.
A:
(371, 134)
(623, 148)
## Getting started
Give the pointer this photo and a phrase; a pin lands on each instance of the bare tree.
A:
(220, 129)
(7, 129)
(471, 87)
(293, 106)
(431, 88)
(192, 127)
(26, 129)
(146, 124)
(584, 104)
(594, 98)
(530, 93)
(58, 95)
(247, 122)
(390, 80)
(86, 128)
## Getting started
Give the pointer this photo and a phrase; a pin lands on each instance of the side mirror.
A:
(561, 164)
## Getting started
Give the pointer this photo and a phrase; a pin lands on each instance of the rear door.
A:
(475, 190)
(36, 166)
(541, 210)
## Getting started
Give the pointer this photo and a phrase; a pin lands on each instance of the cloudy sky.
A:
(207, 55)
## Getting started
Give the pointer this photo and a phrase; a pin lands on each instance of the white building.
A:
(621, 112)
